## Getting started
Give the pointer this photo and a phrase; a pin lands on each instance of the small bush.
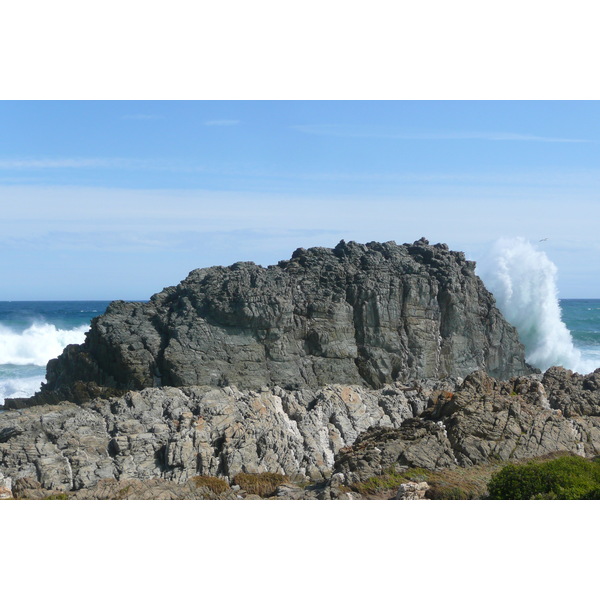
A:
(61, 496)
(122, 493)
(592, 495)
(565, 478)
(261, 484)
(214, 484)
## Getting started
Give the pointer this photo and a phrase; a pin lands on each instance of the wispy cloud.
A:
(492, 136)
(221, 123)
(141, 117)
(8, 164)
(60, 163)
(203, 227)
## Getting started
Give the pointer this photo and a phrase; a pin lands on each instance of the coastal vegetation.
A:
(565, 478)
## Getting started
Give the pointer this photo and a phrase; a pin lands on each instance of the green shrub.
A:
(592, 495)
(565, 478)
(261, 484)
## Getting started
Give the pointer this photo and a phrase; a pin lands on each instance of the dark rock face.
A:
(357, 314)
(416, 443)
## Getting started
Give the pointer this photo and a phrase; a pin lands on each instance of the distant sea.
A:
(31, 333)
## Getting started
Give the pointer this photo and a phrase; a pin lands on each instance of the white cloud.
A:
(77, 163)
(462, 213)
(60, 163)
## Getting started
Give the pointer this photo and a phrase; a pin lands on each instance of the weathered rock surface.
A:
(356, 314)
(177, 433)
(483, 420)
(572, 393)
(412, 491)
(417, 443)
(5, 487)
(337, 435)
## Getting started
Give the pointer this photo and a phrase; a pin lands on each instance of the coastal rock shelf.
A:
(335, 434)
(356, 314)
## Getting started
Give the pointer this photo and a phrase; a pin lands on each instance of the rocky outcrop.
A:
(412, 491)
(337, 435)
(483, 420)
(417, 443)
(356, 314)
(178, 433)
(572, 393)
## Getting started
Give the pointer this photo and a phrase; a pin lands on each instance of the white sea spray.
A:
(20, 387)
(37, 344)
(524, 282)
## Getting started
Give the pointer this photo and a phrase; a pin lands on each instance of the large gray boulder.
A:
(356, 314)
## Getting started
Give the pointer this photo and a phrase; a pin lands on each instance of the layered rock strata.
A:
(356, 314)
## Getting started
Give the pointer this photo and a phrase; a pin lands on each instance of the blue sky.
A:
(107, 200)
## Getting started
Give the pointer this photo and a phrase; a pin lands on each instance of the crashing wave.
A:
(37, 344)
(523, 281)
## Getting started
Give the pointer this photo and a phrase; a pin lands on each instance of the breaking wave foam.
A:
(37, 344)
(523, 281)
(20, 388)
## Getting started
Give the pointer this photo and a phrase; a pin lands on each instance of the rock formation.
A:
(337, 435)
(484, 420)
(177, 433)
(333, 368)
(356, 314)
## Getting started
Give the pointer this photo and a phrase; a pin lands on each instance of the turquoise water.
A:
(31, 333)
(582, 318)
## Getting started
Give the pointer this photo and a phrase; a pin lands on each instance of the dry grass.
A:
(386, 485)
(214, 484)
(261, 484)
(462, 483)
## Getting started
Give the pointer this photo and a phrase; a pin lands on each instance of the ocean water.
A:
(582, 318)
(31, 333)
